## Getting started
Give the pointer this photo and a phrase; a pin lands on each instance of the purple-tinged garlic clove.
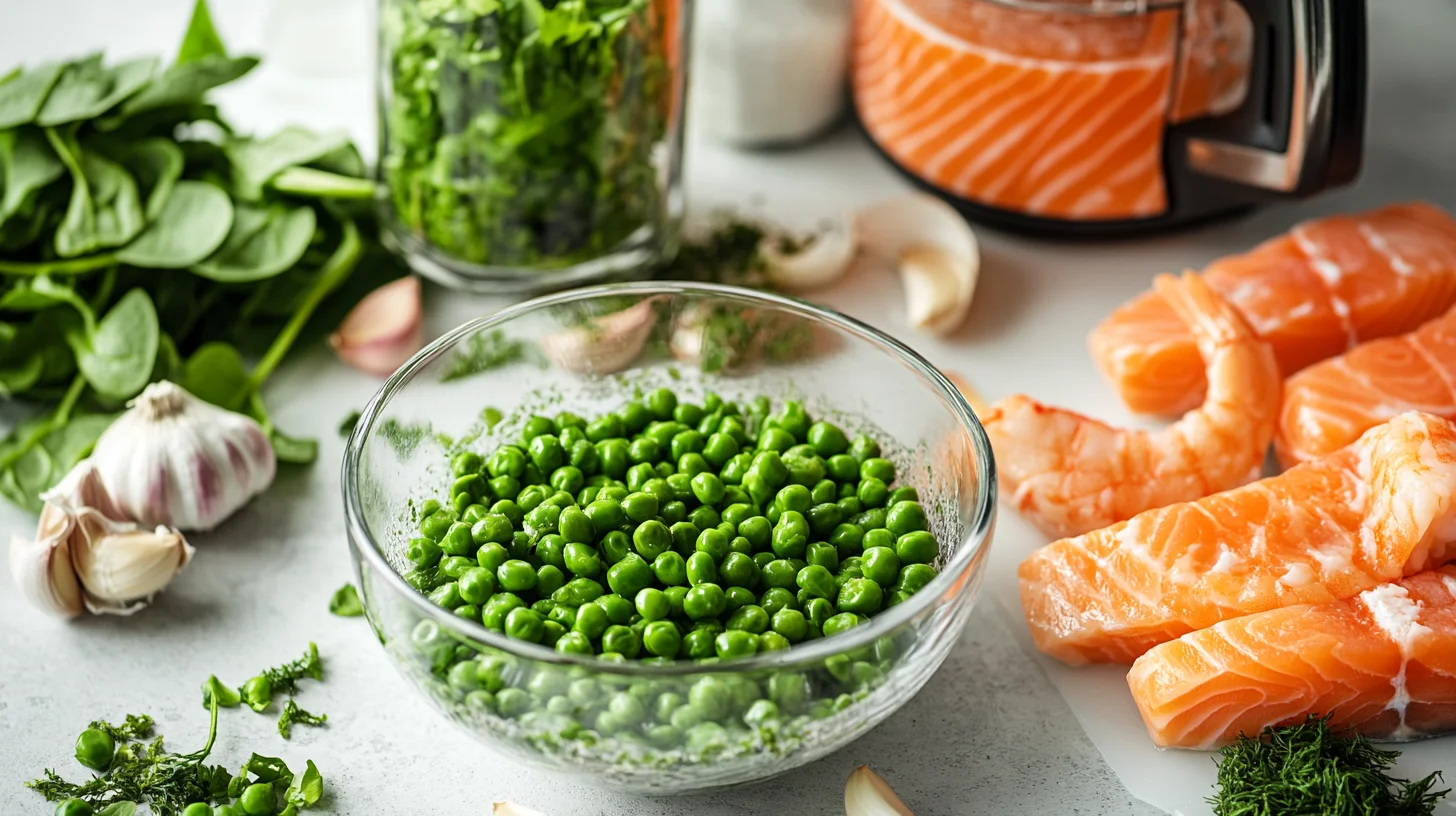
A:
(605, 344)
(383, 330)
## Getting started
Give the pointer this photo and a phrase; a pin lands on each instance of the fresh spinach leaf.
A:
(118, 809)
(215, 373)
(117, 357)
(256, 161)
(191, 226)
(306, 788)
(293, 450)
(263, 242)
(306, 181)
(184, 84)
(37, 467)
(23, 92)
(20, 369)
(201, 40)
(87, 89)
(31, 296)
(156, 164)
(345, 602)
(27, 164)
(105, 210)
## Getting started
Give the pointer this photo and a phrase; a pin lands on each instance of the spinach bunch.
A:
(524, 132)
(143, 238)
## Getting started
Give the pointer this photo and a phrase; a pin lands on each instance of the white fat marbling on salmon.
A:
(1227, 562)
(1399, 618)
(1297, 575)
(1377, 242)
(1331, 273)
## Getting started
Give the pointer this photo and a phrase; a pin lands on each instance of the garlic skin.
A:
(867, 794)
(821, 262)
(121, 566)
(176, 461)
(383, 330)
(935, 251)
(42, 568)
(507, 808)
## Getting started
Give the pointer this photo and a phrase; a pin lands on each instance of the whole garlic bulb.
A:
(177, 461)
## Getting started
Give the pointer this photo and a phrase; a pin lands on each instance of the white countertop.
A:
(988, 735)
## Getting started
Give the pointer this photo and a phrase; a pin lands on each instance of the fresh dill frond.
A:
(293, 714)
(285, 678)
(1307, 768)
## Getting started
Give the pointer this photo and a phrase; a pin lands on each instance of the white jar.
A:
(769, 72)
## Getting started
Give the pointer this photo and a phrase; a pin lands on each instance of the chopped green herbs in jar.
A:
(529, 133)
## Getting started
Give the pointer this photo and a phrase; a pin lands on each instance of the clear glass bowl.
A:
(687, 725)
(525, 147)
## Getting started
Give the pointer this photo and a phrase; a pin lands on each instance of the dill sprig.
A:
(145, 773)
(293, 714)
(285, 678)
(1307, 768)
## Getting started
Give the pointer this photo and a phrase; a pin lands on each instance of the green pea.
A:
(738, 570)
(736, 514)
(847, 540)
(197, 809)
(688, 413)
(549, 578)
(604, 428)
(686, 442)
(842, 622)
(579, 591)
(881, 565)
(512, 511)
(739, 544)
(703, 517)
(651, 539)
(585, 457)
(423, 552)
(735, 643)
(679, 487)
(259, 799)
(842, 468)
(779, 573)
(702, 568)
(917, 547)
(696, 645)
(629, 575)
(615, 546)
(543, 606)
(494, 613)
(877, 468)
(735, 494)
(818, 610)
(546, 453)
(512, 702)
(447, 595)
(670, 569)
(674, 512)
(758, 531)
(591, 622)
(661, 638)
(776, 598)
(520, 546)
(705, 600)
(515, 576)
(96, 748)
(658, 488)
(714, 543)
(675, 596)
(719, 448)
(613, 491)
(905, 517)
(823, 518)
(551, 633)
(535, 426)
(736, 598)
(505, 487)
(644, 450)
(544, 519)
(770, 467)
(613, 456)
(860, 596)
(564, 615)
(824, 492)
(851, 505)
(640, 507)
(435, 525)
(684, 537)
(871, 519)
(622, 640)
(476, 585)
(828, 440)
(582, 559)
(914, 577)
(792, 497)
(661, 403)
(863, 448)
(823, 555)
(735, 468)
(791, 624)
(639, 475)
(652, 604)
(749, 618)
(794, 419)
(531, 497)
(619, 609)
(707, 488)
(551, 549)
(471, 484)
(804, 471)
(453, 566)
(759, 492)
(524, 624)
(817, 581)
(574, 643)
(872, 492)
(791, 535)
(568, 478)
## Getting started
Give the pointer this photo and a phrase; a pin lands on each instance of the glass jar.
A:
(527, 146)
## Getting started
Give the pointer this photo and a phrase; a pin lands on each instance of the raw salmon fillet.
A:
(1365, 515)
(1381, 664)
(1058, 115)
(1312, 293)
(1329, 404)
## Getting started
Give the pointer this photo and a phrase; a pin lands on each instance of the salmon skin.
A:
(1382, 664)
(1312, 293)
(1329, 404)
(1368, 514)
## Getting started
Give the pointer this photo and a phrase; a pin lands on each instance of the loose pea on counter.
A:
(670, 530)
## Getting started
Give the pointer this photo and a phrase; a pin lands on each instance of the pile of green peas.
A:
(668, 530)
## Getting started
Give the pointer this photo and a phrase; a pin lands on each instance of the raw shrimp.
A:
(1070, 474)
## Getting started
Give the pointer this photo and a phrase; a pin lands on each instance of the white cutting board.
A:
(1176, 781)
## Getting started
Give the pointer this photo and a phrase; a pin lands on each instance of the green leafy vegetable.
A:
(307, 789)
(23, 92)
(1307, 768)
(117, 356)
(346, 425)
(345, 602)
(156, 164)
(292, 715)
(192, 224)
(87, 89)
(27, 164)
(285, 678)
(105, 210)
(201, 39)
(522, 132)
(256, 161)
(118, 809)
(263, 242)
(135, 727)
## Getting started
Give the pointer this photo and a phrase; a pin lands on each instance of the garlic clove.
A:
(43, 573)
(121, 566)
(383, 330)
(605, 344)
(819, 263)
(935, 251)
(513, 809)
(866, 794)
(82, 487)
(174, 460)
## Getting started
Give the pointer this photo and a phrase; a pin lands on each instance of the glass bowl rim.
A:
(947, 581)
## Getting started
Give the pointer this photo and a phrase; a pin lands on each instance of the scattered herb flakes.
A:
(346, 426)
(293, 714)
(404, 437)
(483, 352)
(1307, 768)
(728, 254)
(345, 602)
(523, 132)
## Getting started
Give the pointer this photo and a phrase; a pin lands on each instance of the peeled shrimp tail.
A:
(1070, 474)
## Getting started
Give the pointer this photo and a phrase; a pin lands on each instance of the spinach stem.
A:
(74, 266)
(56, 422)
(306, 181)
